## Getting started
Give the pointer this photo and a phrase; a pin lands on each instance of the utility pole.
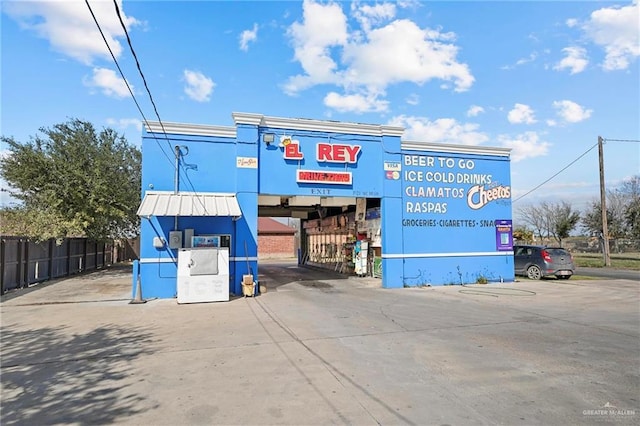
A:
(603, 206)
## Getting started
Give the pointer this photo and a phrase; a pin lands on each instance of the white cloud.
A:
(575, 60)
(323, 27)
(474, 110)
(403, 52)
(369, 15)
(355, 103)
(248, 36)
(198, 86)
(521, 113)
(571, 112)
(532, 57)
(617, 30)
(571, 22)
(376, 55)
(107, 81)
(526, 145)
(124, 123)
(442, 130)
(70, 28)
(413, 99)
(409, 4)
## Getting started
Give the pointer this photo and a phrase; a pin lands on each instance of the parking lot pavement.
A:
(111, 284)
(317, 349)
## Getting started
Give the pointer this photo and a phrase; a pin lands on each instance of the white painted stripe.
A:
(169, 260)
(469, 254)
(158, 260)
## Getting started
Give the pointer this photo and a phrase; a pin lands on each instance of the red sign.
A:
(325, 152)
(314, 176)
(292, 151)
(337, 153)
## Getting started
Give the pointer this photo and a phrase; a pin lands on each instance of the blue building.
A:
(441, 214)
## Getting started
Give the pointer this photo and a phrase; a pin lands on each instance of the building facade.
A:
(427, 214)
(275, 240)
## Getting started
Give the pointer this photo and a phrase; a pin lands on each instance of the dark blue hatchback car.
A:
(536, 262)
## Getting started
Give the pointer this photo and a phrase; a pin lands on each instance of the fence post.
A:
(84, 254)
(26, 264)
(19, 257)
(4, 265)
(51, 250)
(83, 259)
(68, 240)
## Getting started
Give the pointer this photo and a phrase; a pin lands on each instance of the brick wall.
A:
(272, 246)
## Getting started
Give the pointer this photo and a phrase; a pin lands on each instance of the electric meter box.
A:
(188, 235)
(175, 239)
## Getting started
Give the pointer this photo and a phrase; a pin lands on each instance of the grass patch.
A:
(596, 260)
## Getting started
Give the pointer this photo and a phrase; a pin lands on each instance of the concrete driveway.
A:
(322, 349)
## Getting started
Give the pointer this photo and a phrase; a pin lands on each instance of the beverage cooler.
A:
(203, 274)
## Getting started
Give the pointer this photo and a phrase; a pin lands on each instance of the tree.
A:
(74, 181)
(592, 219)
(535, 217)
(631, 191)
(523, 235)
(563, 220)
(623, 211)
(550, 220)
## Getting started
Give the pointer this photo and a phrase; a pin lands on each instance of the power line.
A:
(122, 75)
(144, 80)
(621, 140)
(155, 109)
(561, 170)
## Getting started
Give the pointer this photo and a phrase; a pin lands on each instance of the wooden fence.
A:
(25, 262)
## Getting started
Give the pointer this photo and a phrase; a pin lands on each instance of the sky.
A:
(543, 78)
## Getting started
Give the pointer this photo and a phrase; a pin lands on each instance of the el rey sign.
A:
(325, 152)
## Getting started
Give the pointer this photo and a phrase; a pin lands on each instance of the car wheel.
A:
(563, 277)
(534, 272)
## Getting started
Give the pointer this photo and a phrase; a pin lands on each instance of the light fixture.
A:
(268, 138)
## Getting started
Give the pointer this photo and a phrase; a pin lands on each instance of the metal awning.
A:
(166, 203)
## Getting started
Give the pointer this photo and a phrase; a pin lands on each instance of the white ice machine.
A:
(203, 275)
